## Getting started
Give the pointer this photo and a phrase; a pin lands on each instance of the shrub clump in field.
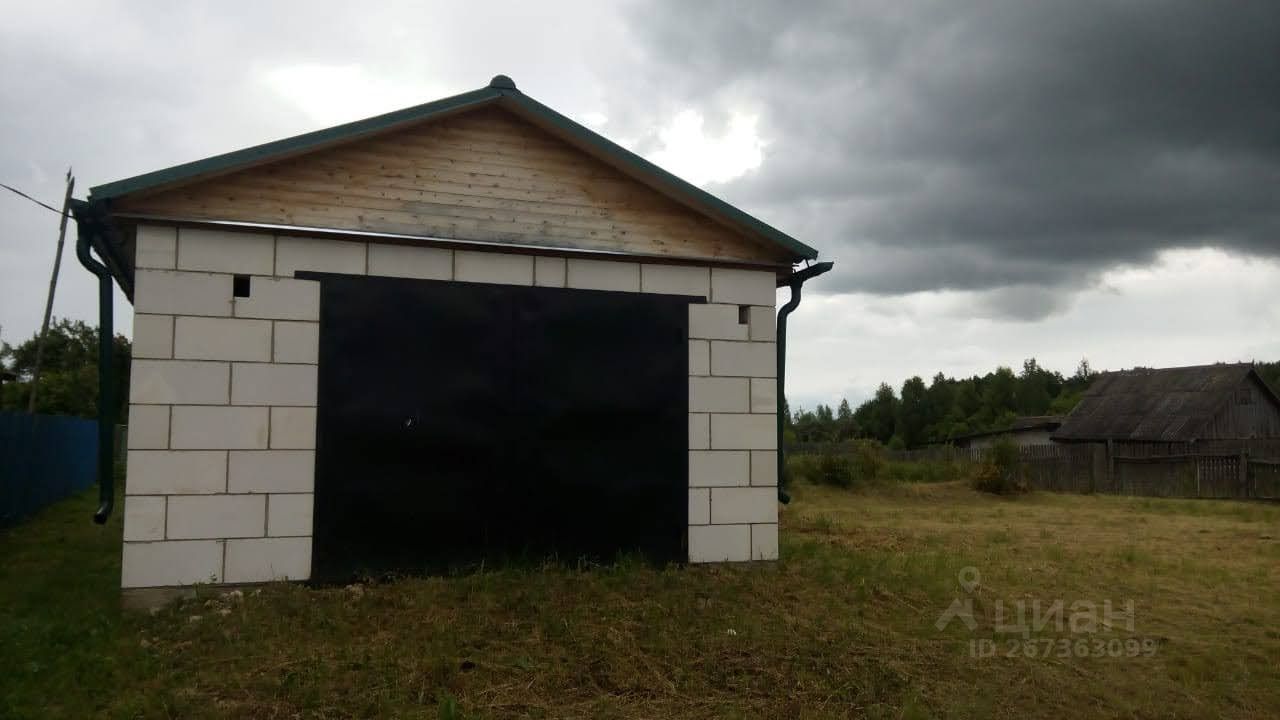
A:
(852, 464)
(1000, 472)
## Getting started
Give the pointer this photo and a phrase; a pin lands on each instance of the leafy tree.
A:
(884, 413)
(999, 392)
(846, 426)
(1036, 388)
(69, 371)
(913, 412)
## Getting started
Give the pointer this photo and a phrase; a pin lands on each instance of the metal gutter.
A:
(88, 229)
(430, 240)
(796, 280)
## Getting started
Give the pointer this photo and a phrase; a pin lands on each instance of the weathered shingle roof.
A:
(1168, 404)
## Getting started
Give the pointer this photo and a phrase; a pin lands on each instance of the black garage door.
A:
(461, 423)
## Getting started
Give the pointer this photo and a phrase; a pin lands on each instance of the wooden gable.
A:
(484, 175)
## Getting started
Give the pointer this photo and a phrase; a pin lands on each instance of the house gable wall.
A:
(485, 175)
(1249, 412)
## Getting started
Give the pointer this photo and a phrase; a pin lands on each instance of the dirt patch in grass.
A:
(843, 625)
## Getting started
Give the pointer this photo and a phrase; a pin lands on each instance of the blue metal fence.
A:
(43, 459)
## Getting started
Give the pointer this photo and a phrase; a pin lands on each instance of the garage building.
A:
(464, 331)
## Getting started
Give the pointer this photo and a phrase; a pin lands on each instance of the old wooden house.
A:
(1174, 405)
(466, 330)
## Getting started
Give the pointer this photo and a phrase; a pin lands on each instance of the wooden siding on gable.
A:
(485, 175)
(1259, 417)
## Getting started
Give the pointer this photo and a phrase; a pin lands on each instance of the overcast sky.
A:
(995, 180)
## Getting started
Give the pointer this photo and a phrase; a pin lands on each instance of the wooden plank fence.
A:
(1223, 469)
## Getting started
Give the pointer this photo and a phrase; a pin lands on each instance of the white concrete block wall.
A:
(733, 512)
(222, 404)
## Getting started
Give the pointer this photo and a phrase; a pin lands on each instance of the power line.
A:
(47, 206)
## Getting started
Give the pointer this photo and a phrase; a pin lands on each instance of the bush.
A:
(1001, 471)
(855, 463)
(834, 470)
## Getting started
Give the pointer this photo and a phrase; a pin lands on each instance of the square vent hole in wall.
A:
(240, 286)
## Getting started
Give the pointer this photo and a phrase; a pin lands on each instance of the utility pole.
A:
(53, 285)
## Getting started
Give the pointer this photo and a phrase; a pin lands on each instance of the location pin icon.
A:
(969, 578)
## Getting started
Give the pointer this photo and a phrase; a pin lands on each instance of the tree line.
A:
(919, 413)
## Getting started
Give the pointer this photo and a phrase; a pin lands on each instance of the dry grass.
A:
(843, 625)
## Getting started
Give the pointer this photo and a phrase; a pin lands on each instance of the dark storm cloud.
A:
(930, 145)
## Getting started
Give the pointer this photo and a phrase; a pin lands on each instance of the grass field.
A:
(843, 625)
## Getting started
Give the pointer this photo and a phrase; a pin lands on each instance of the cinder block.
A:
(270, 384)
(319, 255)
(699, 506)
(717, 394)
(719, 468)
(699, 357)
(549, 271)
(206, 338)
(267, 559)
(196, 517)
(762, 323)
(162, 472)
(719, 543)
(289, 515)
(736, 505)
(603, 275)
(744, 359)
(156, 246)
(297, 342)
(152, 336)
(220, 428)
(425, 263)
(764, 395)
(225, 251)
(187, 382)
(699, 431)
(676, 280)
(156, 564)
(764, 541)
(181, 293)
(764, 467)
(716, 322)
(279, 299)
(293, 428)
(143, 518)
(744, 432)
(148, 427)
(271, 471)
(492, 267)
(743, 287)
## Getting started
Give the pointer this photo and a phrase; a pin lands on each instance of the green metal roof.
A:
(500, 91)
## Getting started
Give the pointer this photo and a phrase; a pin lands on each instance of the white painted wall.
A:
(222, 401)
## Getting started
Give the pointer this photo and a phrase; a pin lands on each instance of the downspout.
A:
(795, 281)
(86, 227)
